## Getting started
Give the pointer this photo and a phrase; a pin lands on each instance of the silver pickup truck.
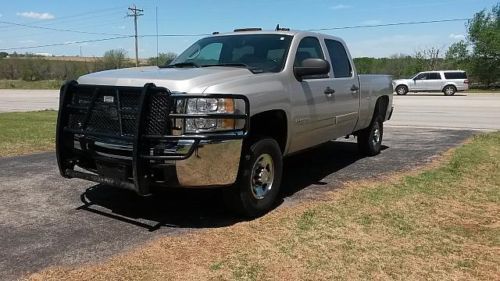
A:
(222, 115)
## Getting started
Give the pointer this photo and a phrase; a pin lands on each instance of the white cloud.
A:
(35, 15)
(371, 22)
(457, 36)
(27, 41)
(340, 7)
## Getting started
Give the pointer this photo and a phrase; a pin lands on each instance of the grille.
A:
(114, 111)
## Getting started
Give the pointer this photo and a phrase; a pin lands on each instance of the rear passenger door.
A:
(434, 82)
(345, 100)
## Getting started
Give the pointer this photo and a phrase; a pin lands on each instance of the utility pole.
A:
(135, 13)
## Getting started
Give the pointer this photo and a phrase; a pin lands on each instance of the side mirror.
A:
(311, 67)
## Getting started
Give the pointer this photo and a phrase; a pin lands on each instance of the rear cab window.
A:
(339, 59)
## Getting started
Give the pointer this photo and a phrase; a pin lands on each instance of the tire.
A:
(370, 139)
(449, 90)
(401, 90)
(259, 179)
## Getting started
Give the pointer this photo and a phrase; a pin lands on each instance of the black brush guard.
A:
(139, 117)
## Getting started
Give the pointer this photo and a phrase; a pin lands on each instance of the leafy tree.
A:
(458, 55)
(3, 55)
(484, 37)
(114, 59)
(162, 59)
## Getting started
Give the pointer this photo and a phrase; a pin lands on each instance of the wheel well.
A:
(449, 85)
(401, 85)
(381, 106)
(272, 124)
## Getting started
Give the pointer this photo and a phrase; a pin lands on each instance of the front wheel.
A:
(259, 179)
(370, 139)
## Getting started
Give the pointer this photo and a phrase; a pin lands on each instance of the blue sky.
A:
(206, 16)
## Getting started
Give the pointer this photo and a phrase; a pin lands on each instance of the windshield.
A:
(257, 52)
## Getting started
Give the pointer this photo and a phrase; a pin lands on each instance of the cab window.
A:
(309, 48)
(421, 76)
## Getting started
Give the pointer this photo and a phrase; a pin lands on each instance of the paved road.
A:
(473, 112)
(47, 220)
(28, 100)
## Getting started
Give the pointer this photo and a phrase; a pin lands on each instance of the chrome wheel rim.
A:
(377, 135)
(262, 177)
(401, 90)
(449, 90)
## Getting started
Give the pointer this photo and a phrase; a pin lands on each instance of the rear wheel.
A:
(259, 179)
(449, 90)
(370, 139)
(401, 90)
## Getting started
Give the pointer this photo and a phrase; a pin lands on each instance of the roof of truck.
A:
(282, 32)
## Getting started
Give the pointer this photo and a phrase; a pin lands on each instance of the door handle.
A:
(329, 91)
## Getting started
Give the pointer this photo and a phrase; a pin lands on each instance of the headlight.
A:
(208, 106)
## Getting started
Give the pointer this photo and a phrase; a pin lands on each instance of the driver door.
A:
(313, 117)
(420, 82)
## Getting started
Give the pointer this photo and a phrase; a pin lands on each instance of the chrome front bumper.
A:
(214, 163)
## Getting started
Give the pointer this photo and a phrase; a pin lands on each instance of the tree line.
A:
(478, 54)
(31, 67)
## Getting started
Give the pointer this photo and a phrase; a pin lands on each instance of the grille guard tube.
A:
(143, 137)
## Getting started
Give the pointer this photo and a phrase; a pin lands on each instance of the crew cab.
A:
(447, 81)
(223, 114)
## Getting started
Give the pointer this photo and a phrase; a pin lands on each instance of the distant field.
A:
(27, 132)
(21, 84)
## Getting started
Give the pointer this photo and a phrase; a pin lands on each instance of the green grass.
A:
(27, 132)
(21, 84)
(440, 224)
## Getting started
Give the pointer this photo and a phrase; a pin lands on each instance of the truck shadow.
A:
(187, 208)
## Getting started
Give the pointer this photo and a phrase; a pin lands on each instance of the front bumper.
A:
(134, 156)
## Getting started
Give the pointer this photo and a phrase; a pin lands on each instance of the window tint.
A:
(434, 76)
(455, 75)
(340, 61)
(210, 53)
(309, 48)
(421, 76)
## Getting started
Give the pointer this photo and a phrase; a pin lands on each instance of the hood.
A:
(190, 80)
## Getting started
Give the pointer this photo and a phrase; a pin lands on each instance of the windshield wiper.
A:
(252, 69)
(181, 65)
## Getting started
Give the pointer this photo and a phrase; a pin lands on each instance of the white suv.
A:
(446, 81)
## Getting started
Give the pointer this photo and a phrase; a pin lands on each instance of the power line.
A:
(76, 17)
(61, 30)
(388, 24)
(66, 43)
(205, 34)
